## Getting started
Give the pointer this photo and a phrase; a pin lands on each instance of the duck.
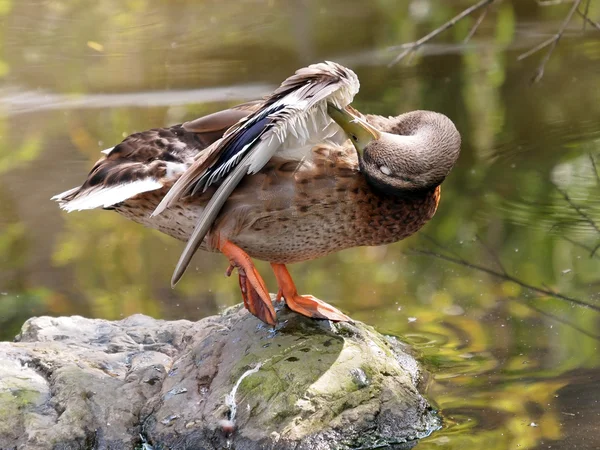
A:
(289, 178)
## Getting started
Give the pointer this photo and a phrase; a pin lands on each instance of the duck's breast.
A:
(296, 211)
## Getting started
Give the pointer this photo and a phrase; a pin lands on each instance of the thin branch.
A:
(443, 247)
(583, 215)
(586, 18)
(477, 23)
(507, 277)
(585, 14)
(494, 255)
(594, 250)
(595, 167)
(563, 321)
(413, 46)
(551, 43)
(410, 58)
(552, 2)
(548, 288)
(583, 246)
(579, 210)
(536, 49)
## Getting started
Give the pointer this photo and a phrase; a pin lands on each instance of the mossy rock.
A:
(226, 380)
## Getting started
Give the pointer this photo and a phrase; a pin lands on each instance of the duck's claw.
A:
(279, 296)
(254, 291)
(307, 305)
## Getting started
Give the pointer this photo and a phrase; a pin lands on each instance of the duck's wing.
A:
(149, 160)
(212, 127)
(289, 122)
(293, 117)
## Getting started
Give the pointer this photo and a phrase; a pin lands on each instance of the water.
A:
(511, 367)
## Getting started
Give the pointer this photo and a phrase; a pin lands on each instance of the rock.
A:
(226, 381)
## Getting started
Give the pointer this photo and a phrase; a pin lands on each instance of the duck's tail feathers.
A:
(78, 199)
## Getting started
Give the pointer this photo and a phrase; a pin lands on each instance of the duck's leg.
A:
(254, 292)
(306, 305)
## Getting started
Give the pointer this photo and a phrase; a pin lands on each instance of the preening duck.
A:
(290, 178)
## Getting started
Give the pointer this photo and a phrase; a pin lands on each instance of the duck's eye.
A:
(354, 138)
(386, 170)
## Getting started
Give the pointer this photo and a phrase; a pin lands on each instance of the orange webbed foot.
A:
(307, 305)
(254, 291)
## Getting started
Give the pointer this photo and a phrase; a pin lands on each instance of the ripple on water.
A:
(564, 200)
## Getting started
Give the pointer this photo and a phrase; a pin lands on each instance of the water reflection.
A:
(511, 368)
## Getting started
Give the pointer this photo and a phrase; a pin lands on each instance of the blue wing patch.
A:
(241, 143)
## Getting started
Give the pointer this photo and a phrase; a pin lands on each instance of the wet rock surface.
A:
(226, 381)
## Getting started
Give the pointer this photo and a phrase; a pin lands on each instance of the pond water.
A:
(512, 367)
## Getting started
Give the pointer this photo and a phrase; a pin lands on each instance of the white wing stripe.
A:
(104, 197)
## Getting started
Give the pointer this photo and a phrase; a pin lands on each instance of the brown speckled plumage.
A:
(297, 211)
(144, 154)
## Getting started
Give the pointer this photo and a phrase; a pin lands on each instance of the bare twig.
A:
(582, 214)
(494, 255)
(586, 19)
(563, 321)
(583, 246)
(442, 247)
(537, 48)
(585, 15)
(551, 43)
(595, 167)
(548, 288)
(507, 277)
(477, 23)
(413, 46)
(552, 2)
(579, 210)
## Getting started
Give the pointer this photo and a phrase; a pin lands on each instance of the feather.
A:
(210, 213)
(293, 117)
(205, 159)
(61, 197)
(220, 120)
(103, 197)
(147, 161)
(288, 111)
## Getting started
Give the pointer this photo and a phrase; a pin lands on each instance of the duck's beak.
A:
(358, 130)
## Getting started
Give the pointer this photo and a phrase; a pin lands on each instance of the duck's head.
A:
(408, 153)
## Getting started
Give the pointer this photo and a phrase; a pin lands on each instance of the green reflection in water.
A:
(510, 368)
